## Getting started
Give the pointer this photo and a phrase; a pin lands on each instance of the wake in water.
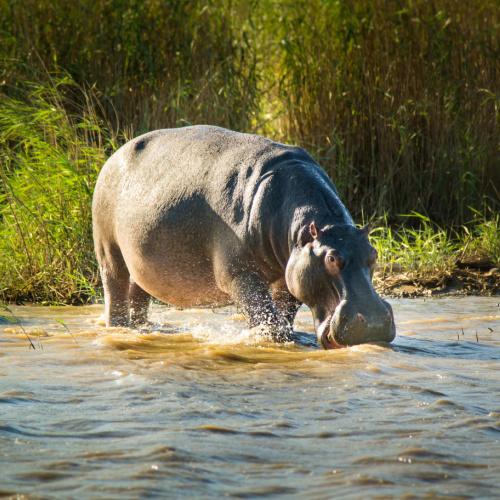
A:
(198, 403)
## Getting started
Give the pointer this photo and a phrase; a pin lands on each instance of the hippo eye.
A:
(334, 260)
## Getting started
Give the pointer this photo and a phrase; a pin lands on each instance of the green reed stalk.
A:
(49, 160)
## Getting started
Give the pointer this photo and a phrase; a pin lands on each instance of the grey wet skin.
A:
(204, 216)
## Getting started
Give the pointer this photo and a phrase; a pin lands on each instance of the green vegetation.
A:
(428, 256)
(429, 248)
(50, 160)
(398, 101)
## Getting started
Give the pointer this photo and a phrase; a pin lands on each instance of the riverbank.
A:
(466, 278)
(416, 259)
(461, 280)
(420, 259)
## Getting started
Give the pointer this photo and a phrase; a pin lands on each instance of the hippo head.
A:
(330, 270)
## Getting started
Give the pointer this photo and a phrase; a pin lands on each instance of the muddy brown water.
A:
(202, 407)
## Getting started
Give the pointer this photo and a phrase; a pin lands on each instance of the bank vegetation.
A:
(397, 100)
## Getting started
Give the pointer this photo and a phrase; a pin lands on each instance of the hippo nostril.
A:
(361, 318)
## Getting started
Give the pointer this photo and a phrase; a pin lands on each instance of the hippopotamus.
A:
(205, 216)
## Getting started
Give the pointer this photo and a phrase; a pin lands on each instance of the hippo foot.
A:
(281, 335)
(143, 326)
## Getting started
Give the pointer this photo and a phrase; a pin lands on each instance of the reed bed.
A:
(49, 162)
(397, 100)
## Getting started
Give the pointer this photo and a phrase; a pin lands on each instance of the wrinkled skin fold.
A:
(204, 216)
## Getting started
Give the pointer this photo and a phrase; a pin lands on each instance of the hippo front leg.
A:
(252, 295)
(286, 303)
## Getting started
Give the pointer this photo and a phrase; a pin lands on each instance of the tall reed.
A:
(157, 63)
(49, 160)
(398, 99)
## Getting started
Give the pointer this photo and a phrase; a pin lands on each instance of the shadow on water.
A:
(305, 339)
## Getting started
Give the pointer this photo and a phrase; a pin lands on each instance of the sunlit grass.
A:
(423, 248)
(482, 237)
(426, 248)
(49, 160)
(398, 101)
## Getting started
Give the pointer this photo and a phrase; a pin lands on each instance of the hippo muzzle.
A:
(352, 325)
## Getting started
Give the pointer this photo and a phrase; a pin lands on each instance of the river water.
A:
(202, 407)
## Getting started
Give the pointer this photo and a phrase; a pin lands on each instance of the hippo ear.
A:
(313, 230)
(304, 237)
(308, 234)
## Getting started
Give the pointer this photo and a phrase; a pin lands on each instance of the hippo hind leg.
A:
(139, 304)
(116, 281)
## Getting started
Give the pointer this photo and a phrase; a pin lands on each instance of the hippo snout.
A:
(352, 325)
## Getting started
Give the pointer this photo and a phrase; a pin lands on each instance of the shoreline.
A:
(395, 283)
(461, 281)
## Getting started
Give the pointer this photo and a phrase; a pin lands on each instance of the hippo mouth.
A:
(326, 338)
(328, 342)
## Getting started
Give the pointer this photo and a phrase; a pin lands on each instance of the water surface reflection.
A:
(198, 405)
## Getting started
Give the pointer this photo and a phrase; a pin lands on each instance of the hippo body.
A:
(204, 216)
